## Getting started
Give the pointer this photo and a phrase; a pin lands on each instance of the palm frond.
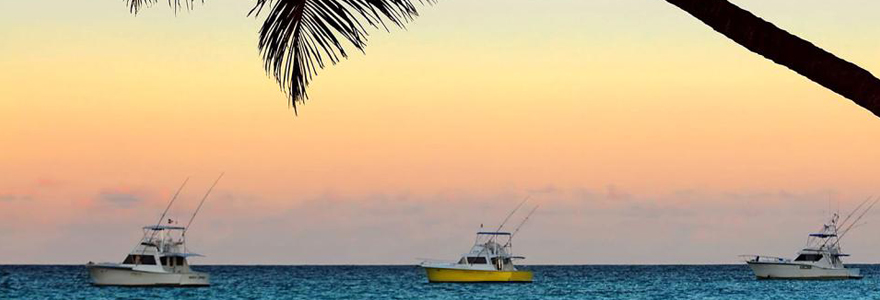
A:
(299, 37)
(135, 6)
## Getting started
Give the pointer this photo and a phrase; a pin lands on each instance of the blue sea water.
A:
(409, 282)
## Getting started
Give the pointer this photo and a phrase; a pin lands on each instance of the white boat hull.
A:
(765, 270)
(110, 276)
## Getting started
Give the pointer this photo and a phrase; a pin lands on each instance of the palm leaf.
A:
(135, 6)
(299, 37)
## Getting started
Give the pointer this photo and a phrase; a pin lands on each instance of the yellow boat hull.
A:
(459, 275)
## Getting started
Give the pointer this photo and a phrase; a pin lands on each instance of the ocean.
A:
(666, 282)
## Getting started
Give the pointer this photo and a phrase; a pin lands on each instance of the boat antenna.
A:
(512, 212)
(521, 224)
(200, 205)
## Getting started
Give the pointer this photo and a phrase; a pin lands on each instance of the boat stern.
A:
(854, 273)
(195, 279)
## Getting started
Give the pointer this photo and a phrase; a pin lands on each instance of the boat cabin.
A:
(161, 246)
(491, 249)
(823, 248)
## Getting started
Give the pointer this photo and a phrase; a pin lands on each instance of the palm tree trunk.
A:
(801, 56)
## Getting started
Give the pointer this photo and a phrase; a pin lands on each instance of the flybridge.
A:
(493, 233)
(823, 235)
(164, 227)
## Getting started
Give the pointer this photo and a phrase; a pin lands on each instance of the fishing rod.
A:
(512, 212)
(200, 205)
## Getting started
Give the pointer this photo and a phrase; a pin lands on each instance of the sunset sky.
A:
(645, 136)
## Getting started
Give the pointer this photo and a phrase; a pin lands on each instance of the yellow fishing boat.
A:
(489, 260)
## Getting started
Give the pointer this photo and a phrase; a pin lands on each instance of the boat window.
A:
(139, 260)
(505, 261)
(148, 260)
(502, 263)
(808, 257)
(476, 260)
(835, 260)
(176, 260)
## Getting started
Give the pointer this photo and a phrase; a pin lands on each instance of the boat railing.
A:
(763, 259)
(431, 261)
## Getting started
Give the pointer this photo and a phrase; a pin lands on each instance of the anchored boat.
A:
(159, 259)
(489, 260)
(819, 259)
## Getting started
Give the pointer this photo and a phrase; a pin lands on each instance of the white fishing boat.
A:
(489, 260)
(159, 259)
(819, 259)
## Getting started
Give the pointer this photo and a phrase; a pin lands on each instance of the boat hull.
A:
(459, 275)
(800, 271)
(109, 276)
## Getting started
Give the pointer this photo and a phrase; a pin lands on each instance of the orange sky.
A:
(624, 113)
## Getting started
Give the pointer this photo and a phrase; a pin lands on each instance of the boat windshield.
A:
(135, 259)
(809, 257)
(172, 261)
(473, 260)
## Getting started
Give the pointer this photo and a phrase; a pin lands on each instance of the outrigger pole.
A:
(512, 212)
(848, 216)
(200, 205)
(855, 210)
(521, 224)
(172, 202)
(153, 234)
(856, 221)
